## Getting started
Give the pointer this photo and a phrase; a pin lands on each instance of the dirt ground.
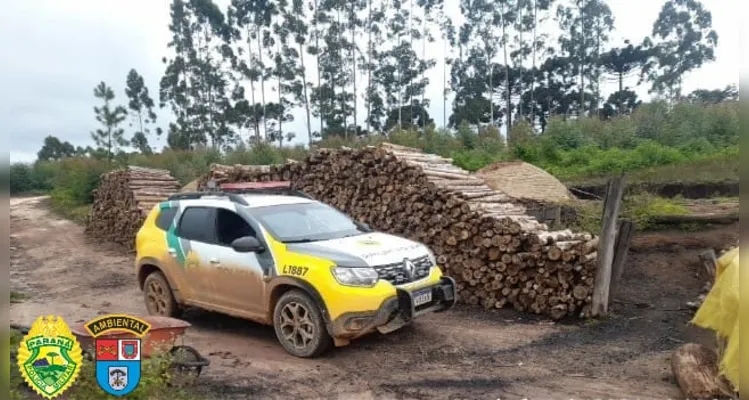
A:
(462, 354)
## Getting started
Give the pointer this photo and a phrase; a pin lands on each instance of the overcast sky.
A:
(55, 52)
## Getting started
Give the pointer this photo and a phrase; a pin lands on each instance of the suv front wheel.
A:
(299, 325)
(159, 297)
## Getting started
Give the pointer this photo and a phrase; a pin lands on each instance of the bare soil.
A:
(461, 354)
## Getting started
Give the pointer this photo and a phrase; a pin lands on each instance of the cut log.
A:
(123, 199)
(695, 368)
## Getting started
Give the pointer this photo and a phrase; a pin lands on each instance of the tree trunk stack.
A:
(123, 200)
(499, 256)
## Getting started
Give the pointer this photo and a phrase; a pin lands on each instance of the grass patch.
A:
(639, 208)
(720, 169)
(17, 297)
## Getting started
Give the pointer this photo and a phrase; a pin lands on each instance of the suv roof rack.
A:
(199, 195)
(269, 187)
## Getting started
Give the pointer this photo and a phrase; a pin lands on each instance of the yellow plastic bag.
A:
(720, 312)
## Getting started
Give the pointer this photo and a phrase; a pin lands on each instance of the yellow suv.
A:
(319, 277)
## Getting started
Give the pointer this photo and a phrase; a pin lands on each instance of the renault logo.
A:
(409, 268)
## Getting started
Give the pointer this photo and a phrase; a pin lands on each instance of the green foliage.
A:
(642, 207)
(21, 179)
(716, 166)
(74, 180)
(639, 208)
(657, 143)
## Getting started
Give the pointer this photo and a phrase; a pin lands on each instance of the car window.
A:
(197, 223)
(165, 218)
(230, 226)
(305, 222)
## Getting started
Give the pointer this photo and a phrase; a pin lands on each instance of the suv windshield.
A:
(305, 222)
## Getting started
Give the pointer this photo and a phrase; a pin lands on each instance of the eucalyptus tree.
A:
(585, 25)
(373, 98)
(175, 83)
(196, 82)
(449, 39)
(505, 17)
(540, 14)
(210, 81)
(141, 108)
(319, 17)
(483, 17)
(330, 96)
(433, 13)
(468, 80)
(286, 69)
(299, 29)
(353, 9)
(682, 40)
(241, 20)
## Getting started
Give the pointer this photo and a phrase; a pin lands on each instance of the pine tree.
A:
(110, 116)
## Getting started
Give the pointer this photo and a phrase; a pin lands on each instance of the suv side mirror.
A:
(364, 227)
(247, 244)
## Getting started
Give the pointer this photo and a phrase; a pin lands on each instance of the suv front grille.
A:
(395, 273)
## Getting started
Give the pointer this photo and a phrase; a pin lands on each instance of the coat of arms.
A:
(50, 357)
(117, 358)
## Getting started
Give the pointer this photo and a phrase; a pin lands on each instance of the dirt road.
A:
(462, 354)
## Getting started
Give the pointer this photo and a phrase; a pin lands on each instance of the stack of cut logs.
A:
(123, 199)
(498, 255)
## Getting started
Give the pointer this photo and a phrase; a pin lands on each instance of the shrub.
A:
(21, 178)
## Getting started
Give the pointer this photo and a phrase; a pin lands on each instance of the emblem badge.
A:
(49, 357)
(409, 268)
(117, 358)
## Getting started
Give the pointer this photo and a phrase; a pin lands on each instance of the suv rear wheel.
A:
(299, 325)
(159, 297)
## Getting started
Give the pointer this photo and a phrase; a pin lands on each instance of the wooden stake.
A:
(623, 239)
(602, 284)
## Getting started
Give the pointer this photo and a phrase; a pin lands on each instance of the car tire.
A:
(159, 297)
(307, 337)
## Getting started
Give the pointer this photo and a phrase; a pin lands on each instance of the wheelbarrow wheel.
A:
(186, 365)
(159, 297)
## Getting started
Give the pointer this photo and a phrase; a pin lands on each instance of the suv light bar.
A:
(249, 186)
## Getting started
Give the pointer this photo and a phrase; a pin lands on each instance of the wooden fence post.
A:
(623, 239)
(607, 240)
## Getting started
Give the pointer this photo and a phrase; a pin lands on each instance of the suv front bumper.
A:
(395, 312)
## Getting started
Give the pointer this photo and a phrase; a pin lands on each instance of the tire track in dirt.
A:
(463, 353)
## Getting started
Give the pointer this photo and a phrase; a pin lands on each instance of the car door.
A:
(195, 253)
(238, 277)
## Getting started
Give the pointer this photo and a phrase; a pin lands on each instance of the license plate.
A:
(423, 297)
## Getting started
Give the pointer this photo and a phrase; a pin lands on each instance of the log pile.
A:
(122, 201)
(498, 255)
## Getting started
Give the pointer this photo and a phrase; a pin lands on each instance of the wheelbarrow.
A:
(186, 363)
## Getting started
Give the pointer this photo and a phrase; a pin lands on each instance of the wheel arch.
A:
(283, 284)
(149, 265)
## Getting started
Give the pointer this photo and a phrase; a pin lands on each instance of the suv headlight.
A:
(432, 258)
(349, 276)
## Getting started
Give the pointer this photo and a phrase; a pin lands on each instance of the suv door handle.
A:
(172, 252)
(214, 261)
